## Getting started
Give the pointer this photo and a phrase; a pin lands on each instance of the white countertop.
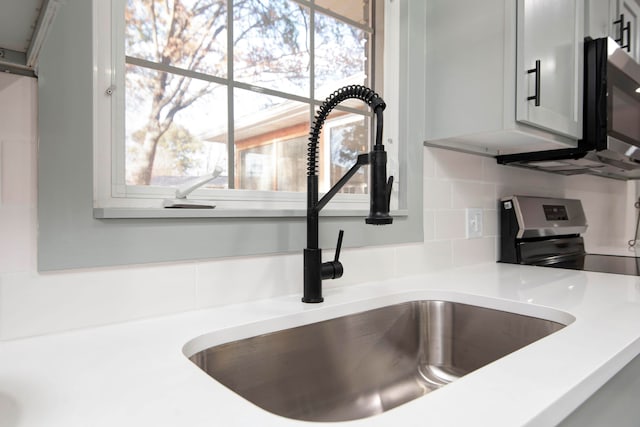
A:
(136, 374)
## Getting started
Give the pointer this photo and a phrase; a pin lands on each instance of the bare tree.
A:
(271, 39)
(170, 29)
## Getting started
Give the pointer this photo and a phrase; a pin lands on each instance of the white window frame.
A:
(113, 198)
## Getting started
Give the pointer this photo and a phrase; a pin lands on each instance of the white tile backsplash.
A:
(18, 96)
(364, 264)
(454, 165)
(17, 204)
(450, 224)
(465, 194)
(433, 255)
(490, 224)
(436, 193)
(32, 303)
(474, 251)
(16, 180)
(236, 280)
(428, 165)
(520, 178)
(17, 239)
(429, 225)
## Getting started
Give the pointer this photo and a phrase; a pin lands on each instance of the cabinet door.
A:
(550, 33)
(625, 25)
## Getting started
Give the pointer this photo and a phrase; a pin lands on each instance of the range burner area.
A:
(547, 232)
(602, 263)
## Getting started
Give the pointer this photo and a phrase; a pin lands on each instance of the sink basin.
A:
(363, 364)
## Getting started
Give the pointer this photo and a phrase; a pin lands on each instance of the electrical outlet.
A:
(474, 222)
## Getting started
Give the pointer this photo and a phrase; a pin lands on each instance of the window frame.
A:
(112, 194)
(72, 234)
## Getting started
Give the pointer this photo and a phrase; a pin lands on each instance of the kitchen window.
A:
(195, 85)
(80, 223)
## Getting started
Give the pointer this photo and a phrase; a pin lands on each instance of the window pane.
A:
(257, 167)
(271, 45)
(270, 140)
(341, 55)
(187, 34)
(347, 137)
(356, 10)
(292, 164)
(176, 128)
(277, 165)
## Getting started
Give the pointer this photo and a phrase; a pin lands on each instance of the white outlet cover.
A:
(473, 221)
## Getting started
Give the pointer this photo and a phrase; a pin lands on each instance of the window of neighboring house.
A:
(235, 84)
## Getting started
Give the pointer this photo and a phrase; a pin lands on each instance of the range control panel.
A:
(542, 216)
(555, 212)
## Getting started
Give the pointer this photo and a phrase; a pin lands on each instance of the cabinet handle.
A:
(536, 70)
(627, 28)
(624, 28)
(620, 21)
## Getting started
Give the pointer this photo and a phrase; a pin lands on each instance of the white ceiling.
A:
(17, 23)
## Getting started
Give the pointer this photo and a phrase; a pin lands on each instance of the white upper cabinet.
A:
(483, 86)
(618, 19)
(625, 24)
(629, 17)
(549, 65)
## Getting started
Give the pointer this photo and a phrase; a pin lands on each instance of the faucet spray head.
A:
(380, 196)
(380, 192)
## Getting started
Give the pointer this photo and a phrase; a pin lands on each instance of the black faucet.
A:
(380, 192)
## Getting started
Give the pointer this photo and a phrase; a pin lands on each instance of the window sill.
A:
(140, 213)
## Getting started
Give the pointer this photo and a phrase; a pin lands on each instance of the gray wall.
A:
(70, 237)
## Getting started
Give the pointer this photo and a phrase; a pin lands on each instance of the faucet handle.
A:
(389, 189)
(338, 246)
(333, 269)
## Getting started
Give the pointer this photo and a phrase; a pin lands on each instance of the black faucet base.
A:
(312, 276)
(380, 220)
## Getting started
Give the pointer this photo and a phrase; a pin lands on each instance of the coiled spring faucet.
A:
(380, 189)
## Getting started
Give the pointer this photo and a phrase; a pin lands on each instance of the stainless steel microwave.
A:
(611, 134)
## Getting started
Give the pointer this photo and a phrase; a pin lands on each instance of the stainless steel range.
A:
(547, 232)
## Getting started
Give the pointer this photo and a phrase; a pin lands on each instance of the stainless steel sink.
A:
(363, 364)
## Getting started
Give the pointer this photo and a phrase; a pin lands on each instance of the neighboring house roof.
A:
(283, 115)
